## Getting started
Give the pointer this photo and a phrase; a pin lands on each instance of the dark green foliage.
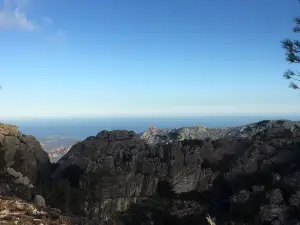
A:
(94, 182)
(217, 143)
(18, 160)
(192, 142)
(76, 202)
(208, 139)
(56, 194)
(2, 160)
(127, 157)
(60, 194)
(292, 48)
(54, 166)
(165, 190)
(280, 121)
(155, 209)
(148, 211)
(262, 123)
(174, 135)
(73, 173)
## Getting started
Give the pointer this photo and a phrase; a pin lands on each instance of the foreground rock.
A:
(23, 153)
(18, 211)
(20, 205)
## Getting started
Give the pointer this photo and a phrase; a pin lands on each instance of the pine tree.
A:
(292, 48)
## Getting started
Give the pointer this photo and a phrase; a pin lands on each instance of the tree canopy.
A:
(292, 48)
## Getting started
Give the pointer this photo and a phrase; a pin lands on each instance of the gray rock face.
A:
(23, 153)
(154, 135)
(117, 168)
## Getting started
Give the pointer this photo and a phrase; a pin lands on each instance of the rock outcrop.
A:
(241, 175)
(154, 135)
(23, 153)
(257, 183)
(115, 169)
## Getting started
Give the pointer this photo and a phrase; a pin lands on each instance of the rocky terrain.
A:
(117, 168)
(23, 153)
(20, 195)
(154, 135)
(21, 203)
(240, 175)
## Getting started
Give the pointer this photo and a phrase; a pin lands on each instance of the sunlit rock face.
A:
(23, 153)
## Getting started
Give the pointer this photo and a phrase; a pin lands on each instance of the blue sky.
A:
(64, 58)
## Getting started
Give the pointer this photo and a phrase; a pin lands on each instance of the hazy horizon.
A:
(145, 58)
(84, 127)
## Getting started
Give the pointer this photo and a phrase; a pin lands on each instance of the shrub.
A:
(73, 173)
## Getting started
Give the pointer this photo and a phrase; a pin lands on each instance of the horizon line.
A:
(13, 118)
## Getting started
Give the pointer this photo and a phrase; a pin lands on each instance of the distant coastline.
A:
(83, 127)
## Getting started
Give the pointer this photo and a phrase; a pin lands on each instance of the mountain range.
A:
(234, 175)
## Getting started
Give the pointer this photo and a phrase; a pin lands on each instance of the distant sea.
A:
(84, 127)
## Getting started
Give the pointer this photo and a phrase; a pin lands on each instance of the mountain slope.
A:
(114, 169)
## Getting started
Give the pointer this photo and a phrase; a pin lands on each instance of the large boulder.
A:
(40, 201)
(23, 153)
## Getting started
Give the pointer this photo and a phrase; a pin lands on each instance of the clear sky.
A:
(145, 57)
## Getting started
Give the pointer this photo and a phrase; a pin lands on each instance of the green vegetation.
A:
(192, 142)
(73, 173)
(156, 209)
(18, 160)
(280, 122)
(292, 48)
(70, 192)
(2, 160)
(262, 123)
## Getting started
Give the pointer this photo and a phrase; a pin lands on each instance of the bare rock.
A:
(39, 200)
(23, 181)
(13, 173)
(23, 153)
